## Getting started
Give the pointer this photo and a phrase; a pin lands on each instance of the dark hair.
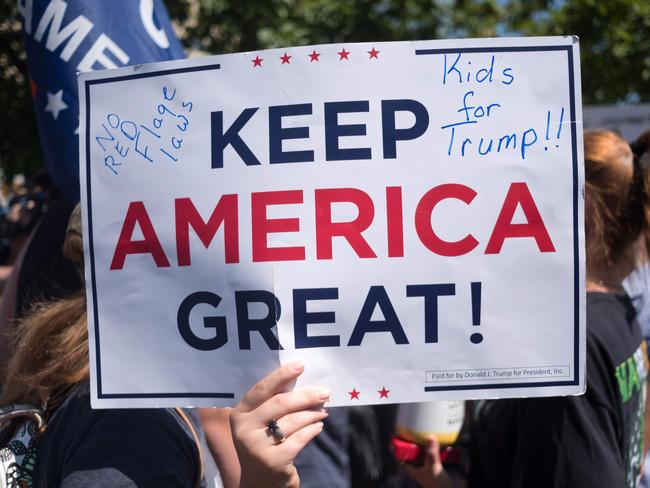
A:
(641, 145)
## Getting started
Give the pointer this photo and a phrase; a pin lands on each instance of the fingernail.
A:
(324, 394)
(297, 366)
(320, 425)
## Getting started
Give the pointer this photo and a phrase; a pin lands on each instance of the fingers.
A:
(293, 422)
(432, 454)
(273, 383)
(423, 475)
(285, 403)
(413, 472)
(432, 473)
(265, 461)
(294, 444)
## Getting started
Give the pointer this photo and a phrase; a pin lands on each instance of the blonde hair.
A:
(616, 200)
(49, 352)
(49, 347)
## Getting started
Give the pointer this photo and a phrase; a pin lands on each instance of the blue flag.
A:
(63, 38)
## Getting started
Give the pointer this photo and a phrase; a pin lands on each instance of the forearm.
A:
(216, 425)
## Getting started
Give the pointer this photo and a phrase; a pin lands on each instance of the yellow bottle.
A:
(444, 419)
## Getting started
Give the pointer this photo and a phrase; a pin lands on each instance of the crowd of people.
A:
(276, 437)
(21, 205)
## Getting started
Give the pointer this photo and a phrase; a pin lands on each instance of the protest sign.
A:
(404, 217)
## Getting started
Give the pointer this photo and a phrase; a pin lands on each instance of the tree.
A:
(614, 42)
(19, 148)
(221, 26)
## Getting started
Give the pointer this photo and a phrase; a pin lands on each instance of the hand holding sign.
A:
(266, 461)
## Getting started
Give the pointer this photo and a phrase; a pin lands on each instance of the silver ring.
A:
(276, 432)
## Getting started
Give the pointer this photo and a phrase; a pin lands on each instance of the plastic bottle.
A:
(415, 421)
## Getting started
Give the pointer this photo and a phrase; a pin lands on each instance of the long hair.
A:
(49, 347)
(616, 198)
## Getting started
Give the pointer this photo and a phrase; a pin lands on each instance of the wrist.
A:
(269, 481)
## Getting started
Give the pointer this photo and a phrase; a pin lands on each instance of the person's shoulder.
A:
(611, 318)
(614, 341)
(140, 443)
(76, 413)
(75, 423)
(599, 304)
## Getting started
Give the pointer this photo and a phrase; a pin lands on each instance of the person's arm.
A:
(216, 424)
(265, 461)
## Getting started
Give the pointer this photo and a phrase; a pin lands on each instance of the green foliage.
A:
(614, 35)
(221, 26)
(614, 41)
(20, 151)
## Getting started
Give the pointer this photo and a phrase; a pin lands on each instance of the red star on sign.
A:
(285, 59)
(343, 54)
(354, 394)
(314, 55)
(383, 393)
(374, 53)
(257, 62)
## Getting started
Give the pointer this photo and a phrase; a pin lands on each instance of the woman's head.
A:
(616, 201)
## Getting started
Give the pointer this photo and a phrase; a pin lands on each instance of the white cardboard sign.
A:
(404, 217)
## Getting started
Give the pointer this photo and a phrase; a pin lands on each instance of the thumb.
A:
(431, 474)
(432, 455)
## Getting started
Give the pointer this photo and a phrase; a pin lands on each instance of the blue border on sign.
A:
(572, 109)
(100, 393)
(576, 247)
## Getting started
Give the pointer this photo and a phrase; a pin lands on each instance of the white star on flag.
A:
(55, 103)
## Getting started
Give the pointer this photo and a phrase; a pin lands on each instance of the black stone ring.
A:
(276, 432)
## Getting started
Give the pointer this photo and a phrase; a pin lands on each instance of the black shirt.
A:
(123, 448)
(325, 461)
(594, 440)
